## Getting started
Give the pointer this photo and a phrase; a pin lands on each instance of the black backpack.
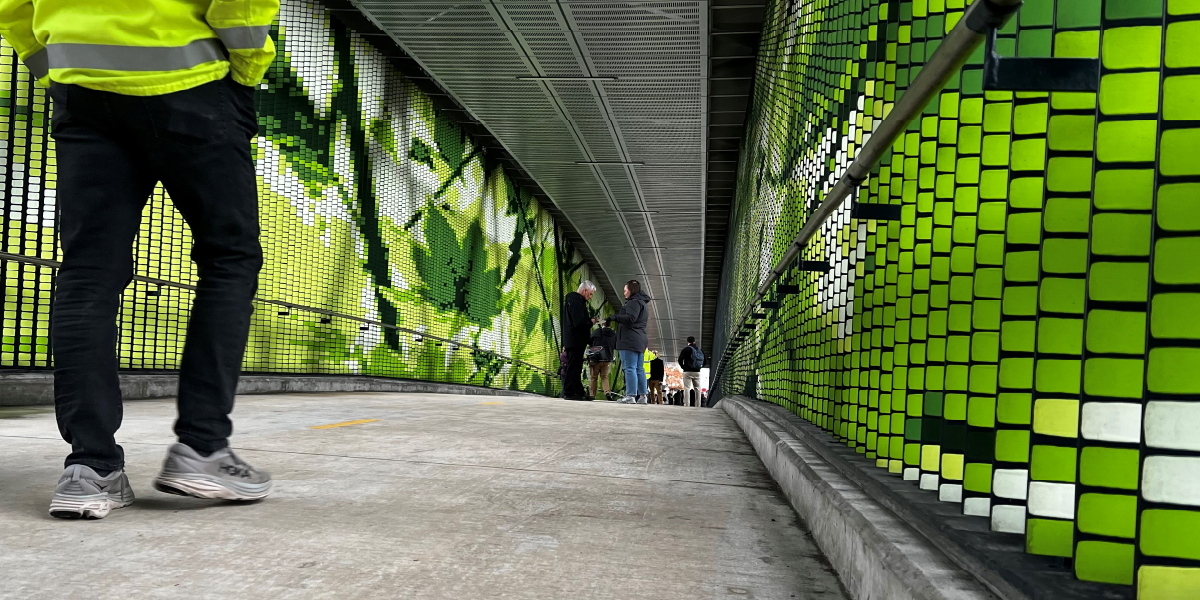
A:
(600, 352)
(696, 361)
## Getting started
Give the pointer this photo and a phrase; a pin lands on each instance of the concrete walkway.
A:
(453, 497)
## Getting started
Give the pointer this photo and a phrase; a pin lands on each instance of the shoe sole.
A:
(85, 507)
(201, 487)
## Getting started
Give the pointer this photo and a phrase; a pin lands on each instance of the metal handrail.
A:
(54, 264)
(946, 60)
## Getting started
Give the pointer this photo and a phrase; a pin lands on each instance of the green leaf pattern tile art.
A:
(393, 246)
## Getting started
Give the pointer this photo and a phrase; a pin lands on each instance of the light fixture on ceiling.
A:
(627, 163)
(646, 247)
(547, 78)
(652, 274)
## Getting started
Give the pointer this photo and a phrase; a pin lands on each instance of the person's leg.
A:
(594, 373)
(630, 362)
(641, 375)
(605, 368)
(202, 145)
(204, 140)
(103, 183)
(573, 386)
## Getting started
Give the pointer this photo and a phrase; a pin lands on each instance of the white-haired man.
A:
(577, 324)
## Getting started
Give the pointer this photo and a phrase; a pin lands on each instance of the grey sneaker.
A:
(643, 399)
(627, 400)
(83, 494)
(220, 475)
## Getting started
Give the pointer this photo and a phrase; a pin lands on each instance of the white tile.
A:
(1173, 425)
(1007, 518)
(1172, 479)
(912, 473)
(950, 492)
(1048, 499)
(1010, 483)
(977, 507)
(1111, 422)
(929, 481)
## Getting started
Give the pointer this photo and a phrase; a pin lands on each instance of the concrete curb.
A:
(32, 389)
(877, 555)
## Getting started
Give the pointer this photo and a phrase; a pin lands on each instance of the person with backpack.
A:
(601, 351)
(691, 360)
(631, 341)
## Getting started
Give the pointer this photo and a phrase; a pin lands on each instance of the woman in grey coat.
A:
(631, 341)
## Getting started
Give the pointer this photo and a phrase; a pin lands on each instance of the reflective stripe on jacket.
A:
(141, 47)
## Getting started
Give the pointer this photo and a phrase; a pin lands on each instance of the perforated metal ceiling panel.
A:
(613, 130)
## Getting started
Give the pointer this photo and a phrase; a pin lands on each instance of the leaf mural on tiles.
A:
(487, 366)
(452, 147)
(420, 152)
(325, 344)
(365, 206)
(298, 131)
(455, 273)
(482, 294)
(440, 262)
(530, 319)
(373, 206)
(515, 206)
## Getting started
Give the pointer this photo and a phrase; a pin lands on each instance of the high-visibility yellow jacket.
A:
(141, 47)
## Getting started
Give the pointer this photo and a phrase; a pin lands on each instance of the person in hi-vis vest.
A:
(149, 91)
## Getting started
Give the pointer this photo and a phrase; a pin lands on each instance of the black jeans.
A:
(573, 379)
(112, 150)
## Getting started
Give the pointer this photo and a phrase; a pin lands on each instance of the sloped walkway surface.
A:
(423, 496)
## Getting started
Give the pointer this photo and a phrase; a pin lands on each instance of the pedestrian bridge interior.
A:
(940, 254)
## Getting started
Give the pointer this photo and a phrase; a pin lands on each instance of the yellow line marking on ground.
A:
(489, 403)
(331, 426)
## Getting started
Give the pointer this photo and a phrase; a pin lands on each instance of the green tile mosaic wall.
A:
(393, 246)
(1025, 341)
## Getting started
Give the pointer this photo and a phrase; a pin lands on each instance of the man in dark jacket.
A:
(604, 349)
(691, 360)
(577, 323)
(631, 341)
(657, 368)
